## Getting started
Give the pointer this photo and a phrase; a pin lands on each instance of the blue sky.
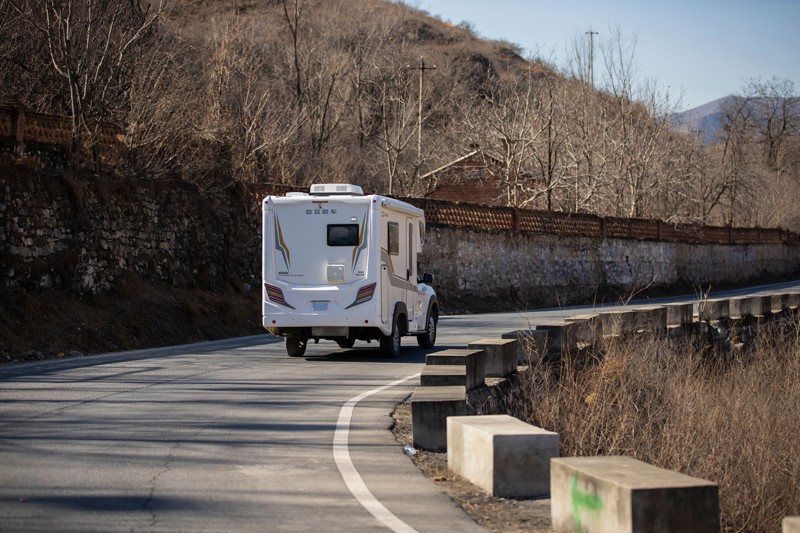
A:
(702, 49)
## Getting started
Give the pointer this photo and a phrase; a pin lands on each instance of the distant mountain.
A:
(704, 120)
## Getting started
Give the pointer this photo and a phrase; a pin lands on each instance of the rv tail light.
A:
(364, 295)
(275, 294)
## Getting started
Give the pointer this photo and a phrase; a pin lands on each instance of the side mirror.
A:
(427, 278)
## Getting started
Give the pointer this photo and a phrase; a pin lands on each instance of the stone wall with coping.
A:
(486, 270)
(82, 233)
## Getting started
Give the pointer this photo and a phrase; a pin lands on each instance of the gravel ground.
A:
(496, 514)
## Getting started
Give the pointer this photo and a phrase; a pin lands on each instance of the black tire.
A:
(346, 343)
(390, 344)
(428, 339)
(296, 346)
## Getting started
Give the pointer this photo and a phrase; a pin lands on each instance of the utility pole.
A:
(591, 35)
(422, 67)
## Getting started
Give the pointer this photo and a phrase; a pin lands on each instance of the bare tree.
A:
(161, 106)
(700, 195)
(777, 117)
(293, 12)
(391, 115)
(552, 110)
(89, 44)
(640, 115)
(395, 119)
(244, 112)
(738, 122)
(587, 150)
(506, 126)
(26, 76)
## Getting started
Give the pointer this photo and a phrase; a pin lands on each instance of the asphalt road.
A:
(223, 436)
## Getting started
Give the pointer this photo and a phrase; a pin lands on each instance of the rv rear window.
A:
(342, 234)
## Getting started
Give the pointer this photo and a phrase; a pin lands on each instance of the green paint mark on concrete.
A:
(583, 500)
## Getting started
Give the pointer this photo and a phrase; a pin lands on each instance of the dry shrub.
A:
(731, 417)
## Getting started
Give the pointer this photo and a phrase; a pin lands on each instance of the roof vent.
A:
(327, 189)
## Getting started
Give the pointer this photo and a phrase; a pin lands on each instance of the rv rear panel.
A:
(338, 264)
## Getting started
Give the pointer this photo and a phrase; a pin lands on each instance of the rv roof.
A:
(326, 189)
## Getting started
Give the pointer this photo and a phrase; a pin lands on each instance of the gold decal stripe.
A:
(360, 244)
(283, 244)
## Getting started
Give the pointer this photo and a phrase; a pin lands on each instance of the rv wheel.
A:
(428, 339)
(390, 345)
(296, 346)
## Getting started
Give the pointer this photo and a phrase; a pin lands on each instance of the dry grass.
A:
(732, 417)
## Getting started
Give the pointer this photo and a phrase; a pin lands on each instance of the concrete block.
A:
(532, 344)
(739, 307)
(446, 376)
(679, 314)
(713, 310)
(561, 336)
(791, 524)
(588, 329)
(778, 302)
(501, 355)
(621, 494)
(618, 323)
(793, 299)
(760, 305)
(474, 360)
(430, 407)
(651, 319)
(504, 456)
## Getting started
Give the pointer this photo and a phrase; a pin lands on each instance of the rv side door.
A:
(411, 274)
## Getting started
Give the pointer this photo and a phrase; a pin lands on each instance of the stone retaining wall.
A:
(485, 270)
(81, 233)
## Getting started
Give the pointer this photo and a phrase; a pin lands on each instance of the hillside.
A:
(382, 94)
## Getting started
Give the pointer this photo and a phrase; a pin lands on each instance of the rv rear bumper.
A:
(325, 325)
(330, 333)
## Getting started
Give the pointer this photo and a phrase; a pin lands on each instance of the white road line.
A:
(341, 454)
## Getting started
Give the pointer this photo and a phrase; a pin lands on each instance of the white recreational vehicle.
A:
(341, 265)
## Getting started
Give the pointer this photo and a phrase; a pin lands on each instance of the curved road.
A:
(224, 436)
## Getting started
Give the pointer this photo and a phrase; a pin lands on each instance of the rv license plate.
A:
(320, 306)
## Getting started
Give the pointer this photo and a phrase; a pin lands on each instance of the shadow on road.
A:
(372, 354)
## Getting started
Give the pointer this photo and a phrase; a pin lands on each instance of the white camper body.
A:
(341, 265)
